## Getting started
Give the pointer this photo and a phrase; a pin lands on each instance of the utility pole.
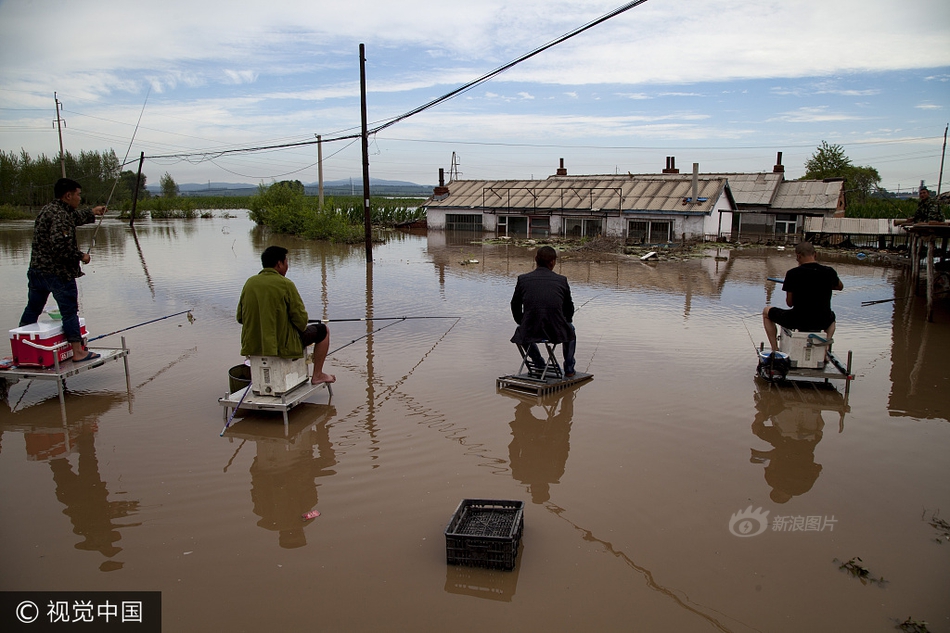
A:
(454, 169)
(942, 156)
(319, 171)
(59, 123)
(367, 216)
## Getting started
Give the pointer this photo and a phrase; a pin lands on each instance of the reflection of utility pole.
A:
(59, 123)
(320, 171)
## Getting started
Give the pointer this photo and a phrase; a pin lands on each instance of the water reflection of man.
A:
(543, 309)
(80, 488)
(794, 433)
(274, 318)
(283, 481)
(539, 446)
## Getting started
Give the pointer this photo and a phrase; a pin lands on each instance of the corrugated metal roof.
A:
(591, 193)
(808, 194)
(755, 189)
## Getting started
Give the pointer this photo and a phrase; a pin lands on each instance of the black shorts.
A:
(794, 320)
(314, 333)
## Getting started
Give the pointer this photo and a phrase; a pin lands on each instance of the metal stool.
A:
(551, 368)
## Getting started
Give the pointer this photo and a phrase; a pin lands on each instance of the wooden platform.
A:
(526, 384)
(63, 370)
(247, 399)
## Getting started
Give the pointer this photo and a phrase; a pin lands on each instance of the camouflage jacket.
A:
(928, 211)
(55, 250)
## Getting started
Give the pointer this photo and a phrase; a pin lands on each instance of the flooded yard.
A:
(634, 483)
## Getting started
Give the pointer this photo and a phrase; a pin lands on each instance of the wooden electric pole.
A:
(59, 127)
(367, 217)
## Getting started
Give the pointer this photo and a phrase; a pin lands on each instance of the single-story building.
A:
(648, 209)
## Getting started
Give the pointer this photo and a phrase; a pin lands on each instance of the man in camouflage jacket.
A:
(55, 259)
(927, 208)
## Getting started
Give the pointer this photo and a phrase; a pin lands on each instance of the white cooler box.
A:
(806, 350)
(272, 376)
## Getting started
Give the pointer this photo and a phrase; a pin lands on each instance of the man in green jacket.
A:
(274, 318)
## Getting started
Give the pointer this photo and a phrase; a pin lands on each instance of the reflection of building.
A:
(70, 452)
(539, 445)
(919, 368)
(284, 471)
(789, 417)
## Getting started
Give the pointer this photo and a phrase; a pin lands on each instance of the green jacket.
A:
(273, 316)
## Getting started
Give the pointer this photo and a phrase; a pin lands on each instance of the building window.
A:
(652, 232)
(583, 227)
(539, 226)
(510, 225)
(463, 221)
(785, 223)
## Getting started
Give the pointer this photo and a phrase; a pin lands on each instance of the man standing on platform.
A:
(274, 318)
(55, 262)
(543, 309)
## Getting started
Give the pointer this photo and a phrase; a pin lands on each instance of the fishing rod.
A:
(367, 334)
(865, 304)
(247, 390)
(109, 199)
(403, 318)
(188, 312)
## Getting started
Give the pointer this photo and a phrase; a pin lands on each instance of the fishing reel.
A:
(773, 366)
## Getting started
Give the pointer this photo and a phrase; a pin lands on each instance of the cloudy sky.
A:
(725, 83)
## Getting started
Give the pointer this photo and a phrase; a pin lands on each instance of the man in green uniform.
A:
(927, 208)
(274, 318)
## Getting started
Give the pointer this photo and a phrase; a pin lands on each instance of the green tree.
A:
(168, 185)
(830, 161)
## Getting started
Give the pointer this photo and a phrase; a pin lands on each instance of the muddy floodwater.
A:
(635, 484)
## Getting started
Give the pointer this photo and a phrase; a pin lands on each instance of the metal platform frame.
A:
(246, 399)
(834, 369)
(60, 371)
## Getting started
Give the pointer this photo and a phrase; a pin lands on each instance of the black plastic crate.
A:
(485, 533)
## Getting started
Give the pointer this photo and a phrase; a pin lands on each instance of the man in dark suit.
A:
(543, 309)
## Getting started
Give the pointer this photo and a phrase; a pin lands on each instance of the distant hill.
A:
(345, 187)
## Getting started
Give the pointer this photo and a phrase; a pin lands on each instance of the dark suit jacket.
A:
(542, 308)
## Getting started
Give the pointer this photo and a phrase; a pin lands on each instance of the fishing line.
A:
(365, 335)
(96, 232)
(596, 347)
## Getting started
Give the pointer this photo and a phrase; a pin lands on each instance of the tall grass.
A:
(287, 210)
(882, 208)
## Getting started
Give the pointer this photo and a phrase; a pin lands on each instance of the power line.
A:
(210, 155)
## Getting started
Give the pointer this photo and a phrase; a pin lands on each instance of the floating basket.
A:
(485, 533)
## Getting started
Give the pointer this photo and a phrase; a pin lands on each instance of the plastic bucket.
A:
(239, 377)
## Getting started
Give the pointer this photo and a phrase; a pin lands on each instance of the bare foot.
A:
(319, 379)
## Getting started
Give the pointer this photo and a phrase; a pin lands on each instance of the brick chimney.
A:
(779, 168)
(561, 171)
(441, 190)
(671, 165)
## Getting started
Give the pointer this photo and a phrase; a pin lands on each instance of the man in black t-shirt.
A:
(808, 293)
